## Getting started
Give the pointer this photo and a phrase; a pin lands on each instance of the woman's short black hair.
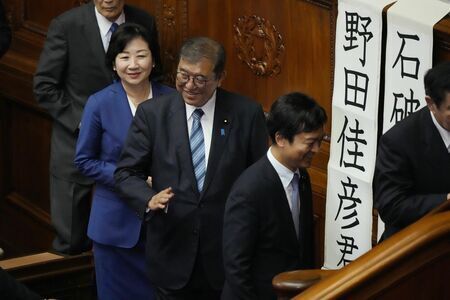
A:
(294, 113)
(124, 34)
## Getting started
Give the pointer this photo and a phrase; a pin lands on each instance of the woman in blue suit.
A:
(116, 231)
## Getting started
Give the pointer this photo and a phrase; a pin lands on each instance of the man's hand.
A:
(149, 181)
(448, 196)
(161, 200)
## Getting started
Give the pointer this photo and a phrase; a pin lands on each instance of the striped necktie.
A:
(109, 35)
(113, 27)
(295, 203)
(197, 143)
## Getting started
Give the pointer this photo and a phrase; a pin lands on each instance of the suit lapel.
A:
(123, 111)
(284, 210)
(223, 123)
(179, 133)
(94, 40)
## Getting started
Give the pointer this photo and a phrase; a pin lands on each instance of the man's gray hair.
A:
(196, 48)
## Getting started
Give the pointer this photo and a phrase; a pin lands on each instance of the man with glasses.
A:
(194, 144)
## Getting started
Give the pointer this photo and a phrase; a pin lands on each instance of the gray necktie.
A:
(197, 143)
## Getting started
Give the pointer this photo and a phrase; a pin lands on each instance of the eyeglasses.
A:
(199, 80)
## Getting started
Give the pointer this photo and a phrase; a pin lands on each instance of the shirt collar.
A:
(104, 24)
(284, 173)
(445, 134)
(208, 108)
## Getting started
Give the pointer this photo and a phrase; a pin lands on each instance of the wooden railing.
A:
(412, 264)
(54, 276)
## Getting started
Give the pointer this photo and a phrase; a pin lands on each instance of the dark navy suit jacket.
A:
(104, 126)
(158, 146)
(259, 238)
(412, 172)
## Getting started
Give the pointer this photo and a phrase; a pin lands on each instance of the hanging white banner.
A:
(348, 221)
(409, 54)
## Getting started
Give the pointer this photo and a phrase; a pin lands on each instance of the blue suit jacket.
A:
(104, 127)
(65, 77)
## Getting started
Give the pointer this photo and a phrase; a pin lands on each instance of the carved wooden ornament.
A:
(80, 2)
(259, 45)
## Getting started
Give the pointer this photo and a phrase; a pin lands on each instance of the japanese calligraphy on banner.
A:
(409, 54)
(348, 222)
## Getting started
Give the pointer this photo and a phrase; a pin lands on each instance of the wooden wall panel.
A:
(294, 42)
(302, 32)
(29, 154)
(24, 188)
(35, 16)
(172, 18)
(307, 36)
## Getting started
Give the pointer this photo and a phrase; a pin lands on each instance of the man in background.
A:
(412, 173)
(71, 68)
(193, 144)
(268, 222)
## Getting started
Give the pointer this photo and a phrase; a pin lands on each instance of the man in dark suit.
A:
(412, 173)
(268, 222)
(194, 144)
(71, 68)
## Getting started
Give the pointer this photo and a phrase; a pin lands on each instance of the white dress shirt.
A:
(285, 175)
(131, 104)
(207, 122)
(104, 25)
